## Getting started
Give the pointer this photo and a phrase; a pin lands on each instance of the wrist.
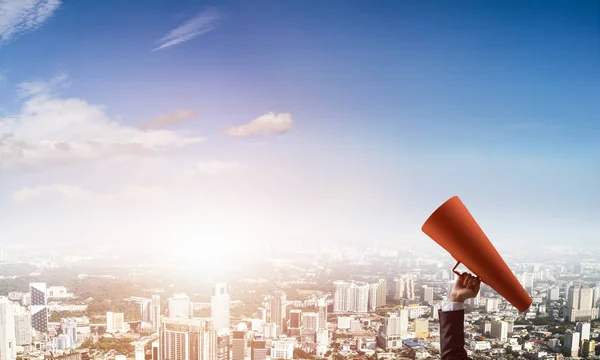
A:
(456, 298)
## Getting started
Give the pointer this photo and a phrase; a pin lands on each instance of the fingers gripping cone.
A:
(453, 227)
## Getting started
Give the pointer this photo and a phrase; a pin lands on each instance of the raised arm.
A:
(452, 317)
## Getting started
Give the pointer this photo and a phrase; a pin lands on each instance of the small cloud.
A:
(196, 26)
(169, 119)
(263, 125)
(35, 88)
(21, 16)
(51, 130)
(3, 73)
(216, 167)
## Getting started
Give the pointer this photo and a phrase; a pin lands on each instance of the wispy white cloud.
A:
(196, 26)
(21, 16)
(50, 129)
(3, 73)
(266, 124)
(39, 87)
(169, 119)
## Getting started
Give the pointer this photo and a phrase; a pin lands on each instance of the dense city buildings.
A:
(395, 311)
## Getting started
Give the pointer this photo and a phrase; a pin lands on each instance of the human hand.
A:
(465, 287)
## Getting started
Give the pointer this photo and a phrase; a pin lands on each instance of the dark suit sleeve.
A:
(452, 335)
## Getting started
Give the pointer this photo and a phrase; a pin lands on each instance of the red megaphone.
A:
(453, 227)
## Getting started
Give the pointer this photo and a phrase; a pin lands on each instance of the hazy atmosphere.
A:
(234, 122)
(249, 179)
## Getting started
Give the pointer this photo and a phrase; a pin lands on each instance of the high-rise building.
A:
(258, 349)
(39, 307)
(377, 294)
(427, 294)
(238, 345)
(588, 347)
(403, 287)
(295, 319)
(278, 310)
(527, 282)
(223, 346)
(8, 341)
(486, 328)
(322, 305)
(421, 328)
(500, 330)
(491, 305)
(146, 310)
(155, 313)
(572, 340)
(179, 306)
(115, 322)
(553, 293)
(584, 330)
(579, 304)
(392, 331)
(219, 306)
(350, 297)
(310, 320)
(23, 330)
(69, 327)
(187, 339)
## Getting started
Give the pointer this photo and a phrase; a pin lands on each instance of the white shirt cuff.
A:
(452, 306)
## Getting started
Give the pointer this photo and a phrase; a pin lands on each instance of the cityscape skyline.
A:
(357, 134)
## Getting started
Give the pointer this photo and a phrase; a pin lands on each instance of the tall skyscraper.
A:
(491, 305)
(179, 306)
(579, 304)
(156, 313)
(39, 307)
(427, 294)
(377, 294)
(350, 297)
(403, 287)
(219, 306)
(278, 310)
(500, 330)
(572, 341)
(322, 305)
(527, 282)
(238, 345)
(8, 341)
(584, 330)
(23, 330)
(187, 339)
(146, 310)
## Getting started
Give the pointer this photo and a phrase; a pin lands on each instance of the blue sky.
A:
(396, 106)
